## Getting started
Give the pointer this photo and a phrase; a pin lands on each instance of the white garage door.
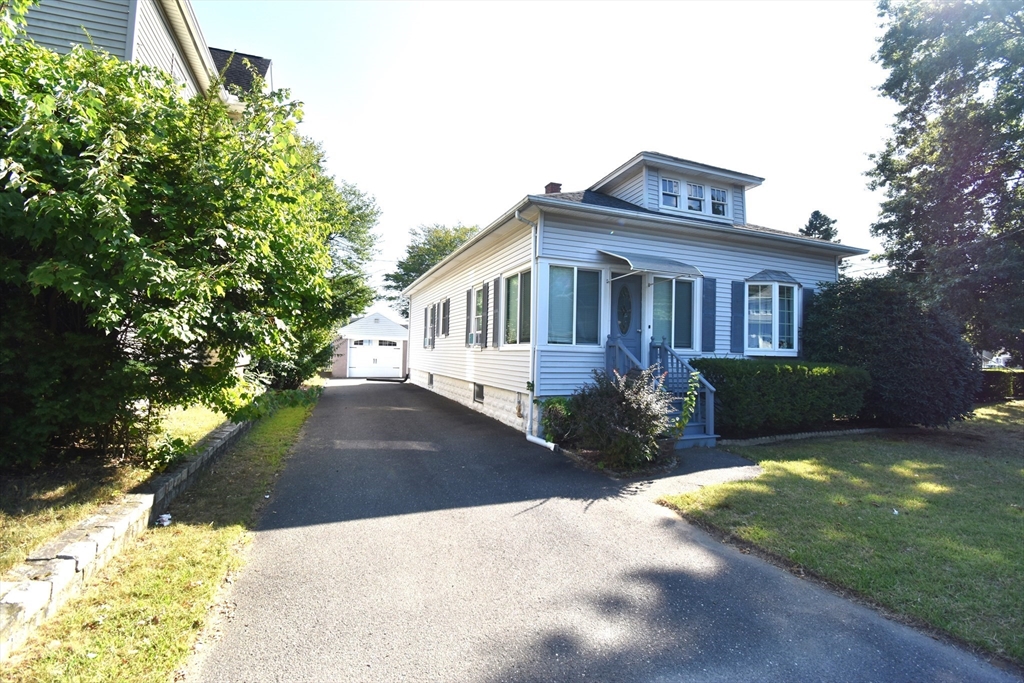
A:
(374, 358)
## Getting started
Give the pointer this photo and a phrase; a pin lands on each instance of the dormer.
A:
(678, 187)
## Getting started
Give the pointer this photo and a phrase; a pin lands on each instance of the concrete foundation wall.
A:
(507, 407)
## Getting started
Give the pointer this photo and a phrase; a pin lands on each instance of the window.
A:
(385, 342)
(695, 197)
(446, 308)
(357, 342)
(771, 317)
(670, 193)
(719, 202)
(574, 303)
(433, 324)
(517, 308)
(478, 316)
(478, 392)
(477, 310)
(430, 379)
(673, 312)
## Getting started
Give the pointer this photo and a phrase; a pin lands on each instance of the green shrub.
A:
(922, 371)
(556, 420)
(621, 416)
(757, 397)
(998, 384)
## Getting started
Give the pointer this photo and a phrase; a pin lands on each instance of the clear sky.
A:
(453, 111)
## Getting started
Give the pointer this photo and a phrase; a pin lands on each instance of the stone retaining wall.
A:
(60, 569)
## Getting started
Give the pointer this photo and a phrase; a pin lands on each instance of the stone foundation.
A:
(508, 407)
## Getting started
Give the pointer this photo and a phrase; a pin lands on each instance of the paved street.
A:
(412, 539)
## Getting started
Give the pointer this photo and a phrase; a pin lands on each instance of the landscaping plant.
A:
(922, 371)
(148, 242)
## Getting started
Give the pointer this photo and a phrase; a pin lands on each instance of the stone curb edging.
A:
(802, 435)
(60, 569)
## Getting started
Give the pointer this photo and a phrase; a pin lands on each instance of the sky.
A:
(450, 112)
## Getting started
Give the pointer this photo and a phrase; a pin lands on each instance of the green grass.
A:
(138, 621)
(38, 505)
(953, 556)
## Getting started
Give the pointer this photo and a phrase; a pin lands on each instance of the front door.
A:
(626, 306)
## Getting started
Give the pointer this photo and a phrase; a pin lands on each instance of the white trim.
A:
(774, 350)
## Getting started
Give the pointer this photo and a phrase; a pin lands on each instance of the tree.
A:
(147, 241)
(821, 226)
(922, 372)
(429, 246)
(953, 170)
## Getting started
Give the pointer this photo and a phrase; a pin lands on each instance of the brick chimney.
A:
(552, 188)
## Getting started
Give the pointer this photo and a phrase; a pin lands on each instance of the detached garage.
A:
(373, 346)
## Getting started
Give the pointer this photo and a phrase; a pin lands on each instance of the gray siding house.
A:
(654, 264)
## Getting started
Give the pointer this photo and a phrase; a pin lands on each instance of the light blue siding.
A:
(561, 371)
(739, 212)
(653, 189)
(629, 189)
(61, 24)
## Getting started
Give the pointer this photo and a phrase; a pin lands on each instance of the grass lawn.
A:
(37, 506)
(140, 618)
(927, 523)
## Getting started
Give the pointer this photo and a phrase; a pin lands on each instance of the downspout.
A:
(534, 232)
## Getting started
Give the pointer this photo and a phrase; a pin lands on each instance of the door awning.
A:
(659, 265)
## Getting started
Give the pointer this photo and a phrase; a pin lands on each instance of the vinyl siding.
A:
(739, 209)
(155, 45)
(653, 189)
(630, 189)
(717, 256)
(505, 367)
(59, 24)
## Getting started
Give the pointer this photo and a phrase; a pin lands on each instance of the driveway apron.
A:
(413, 539)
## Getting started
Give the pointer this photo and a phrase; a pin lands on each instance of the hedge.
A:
(997, 384)
(760, 397)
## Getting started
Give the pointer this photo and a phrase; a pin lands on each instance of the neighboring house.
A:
(654, 263)
(233, 66)
(373, 346)
(159, 33)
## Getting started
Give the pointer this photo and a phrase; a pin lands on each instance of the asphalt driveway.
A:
(412, 539)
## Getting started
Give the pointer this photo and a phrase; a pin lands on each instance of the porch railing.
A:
(618, 357)
(677, 376)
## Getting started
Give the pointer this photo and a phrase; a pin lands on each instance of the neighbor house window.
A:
(771, 317)
(517, 308)
(719, 202)
(357, 342)
(694, 197)
(670, 193)
(574, 303)
(385, 342)
(674, 312)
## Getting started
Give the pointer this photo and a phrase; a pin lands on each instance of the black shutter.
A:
(708, 311)
(445, 311)
(496, 336)
(808, 302)
(483, 321)
(469, 314)
(738, 300)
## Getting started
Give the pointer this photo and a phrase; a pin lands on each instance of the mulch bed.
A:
(594, 461)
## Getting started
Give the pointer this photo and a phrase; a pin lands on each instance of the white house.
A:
(654, 263)
(373, 346)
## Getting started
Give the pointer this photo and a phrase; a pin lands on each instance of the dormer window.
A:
(695, 197)
(670, 193)
(719, 202)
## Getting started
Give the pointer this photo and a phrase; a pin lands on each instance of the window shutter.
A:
(496, 335)
(738, 299)
(807, 298)
(483, 318)
(708, 311)
(445, 312)
(469, 314)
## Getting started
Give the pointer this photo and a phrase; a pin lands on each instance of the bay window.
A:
(771, 317)
(574, 303)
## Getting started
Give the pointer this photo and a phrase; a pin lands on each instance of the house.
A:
(160, 33)
(373, 346)
(655, 263)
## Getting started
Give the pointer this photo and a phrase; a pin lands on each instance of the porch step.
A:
(696, 441)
